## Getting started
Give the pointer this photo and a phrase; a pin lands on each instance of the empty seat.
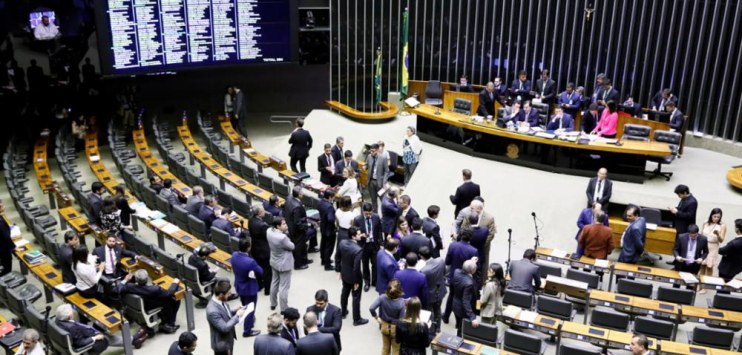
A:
(197, 227)
(523, 343)
(242, 208)
(168, 262)
(21, 298)
(486, 334)
(433, 93)
(136, 311)
(220, 238)
(225, 199)
(654, 328)
(610, 319)
(572, 349)
(727, 301)
(518, 298)
(555, 307)
(36, 319)
(180, 215)
(592, 280)
(265, 182)
(136, 243)
(281, 189)
(546, 270)
(675, 295)
(673, 140)
(714, 338)
(636, 132)
(462, 106)
(634, 288)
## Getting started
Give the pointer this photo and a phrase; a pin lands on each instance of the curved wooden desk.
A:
(734, 176)
(390, 111)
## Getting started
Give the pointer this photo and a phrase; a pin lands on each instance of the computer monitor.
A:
(34, 18)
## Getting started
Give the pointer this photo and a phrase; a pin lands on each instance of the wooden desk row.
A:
(223, 173)
(388, 111)
(660, 240)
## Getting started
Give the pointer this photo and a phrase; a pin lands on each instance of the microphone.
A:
(180, 255)
(533, 214)
(510, 230)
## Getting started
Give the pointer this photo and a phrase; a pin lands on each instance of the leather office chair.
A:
(727, 302)
(168, 262)
(21, 298)
(61, 341)
(518, 298)
(713, 338)
(433, 93)
(543, 112)
(634, 288)
(636, 132)
(462, 106)
(654, 328)
(180, 216)
(571, 349)
(608, 318)
(37, 320)
(241, 207)
(137, 244)
(546, 270)
(523, 343)
(281, 189)
(202, 290)
(136, 311)
(555, 307)
(486, 334)
(197, 228)
(265, 182)
(676, 295)
(224, 198)
(162, 205)
(592, 280)
(220, 238)
(673, 139)
(651, 215)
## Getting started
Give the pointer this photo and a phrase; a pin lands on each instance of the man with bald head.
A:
(486, 220)
(315, 343)
(599, 189)
(487, 99)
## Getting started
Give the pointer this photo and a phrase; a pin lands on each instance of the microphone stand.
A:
(510, 241)
(535, 226)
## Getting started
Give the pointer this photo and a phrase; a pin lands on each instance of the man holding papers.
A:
(246, 274)
(690, 250)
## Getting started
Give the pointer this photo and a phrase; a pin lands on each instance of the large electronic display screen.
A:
(144, 36)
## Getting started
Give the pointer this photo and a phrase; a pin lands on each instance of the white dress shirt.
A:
(87, 276)
(43, 33)
(344, 219)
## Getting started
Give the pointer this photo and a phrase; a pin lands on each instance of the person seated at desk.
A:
(607, 94)
(155, 183)
(222, 222)
(30, 343)
(569, 100)
(608, 121)
(529, 116)
(590, 118)
(346, 162)
(110, 255)
(545, 88)
(676, 117)
(512, 113)
(501, 92)
(463, 85)
(271, 206)
(633, 237)
(662, 98)
(521, 87)
(154, 297)
(690, 250)
(170, 194)
(487, 99)
(195, 201)
(207, 212)
(80, 334)
(205, 273)
(560, 121)
(524, 274)
(639, 345)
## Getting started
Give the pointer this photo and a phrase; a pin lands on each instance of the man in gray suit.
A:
(524, 275)
(272, 343)
(315, 343)
(222, 320)
(282, 262)
(378, 170)
(194, 202)
(435, 273)
(486, 220)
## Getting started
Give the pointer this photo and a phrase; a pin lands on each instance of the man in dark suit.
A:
(80, 334)
(155, 183)
(487, 98)
(369, 224)
(110, 255)
(609, 93)
(95, 200)
(590, 118)
(260, 250)
(329, 316)
(271, 206)
(407, 212)
(545, 88)
(186, 344)
(560, 121)
(463, 85)
(569, 100)
(315, 342)
(71, 242)
(530, 115)
(301, 143)
(351, 274)
(524, 275)
(246, 272)
(464, 193)
(413, 282)
(685, 212)
(240, 110)
(326, 166)
(520, 89)
(205, 272)
(662, 98)
(416, 240)
(599, 189)
(634, 236)
(337, 150)
(690, 250)
(155, 297)
(296, 218)
(272, 343)
(464, 294)
(731, 254)
(432, 230)
(458, 252)
(207, 212)
(676, 117)
(222, 222)
(386, 264)
(347, 161)
(389, 211)
(222, 319)
(327, 228)
(435, 274)
(290, 331)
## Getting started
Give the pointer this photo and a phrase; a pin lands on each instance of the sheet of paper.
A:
(652, 226)
(559, 253)
(251, 274)
(20, 243)
(170, 228)
(159, 223)
(528, 316)
(712, 280)
(511, 311)
(15, 231)
(248, 309)
(602, 263)
(690, 278)
(735, 283)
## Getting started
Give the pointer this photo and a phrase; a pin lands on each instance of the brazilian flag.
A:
(377, 78)
(404, 78)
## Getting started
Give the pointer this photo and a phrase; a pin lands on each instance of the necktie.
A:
(560, 122)
(322, 319)
(369, 231)
(373, 168)
(600, 191)
(112, 259)
(605, 94)
(329, 161)
(226, 307)
(691, 246)
(662, 104)
(521, 85)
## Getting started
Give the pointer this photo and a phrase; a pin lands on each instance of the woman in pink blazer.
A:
(608, 120)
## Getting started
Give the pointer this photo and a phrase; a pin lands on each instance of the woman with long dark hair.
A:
(715, 230)
(412, 333)
(110, 217)
(391, 308)
(494, 289)
(87, 273)
(608, 120)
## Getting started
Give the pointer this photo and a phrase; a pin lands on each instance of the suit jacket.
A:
(80, 334)
(464, 293)
(242, 265)
(6, 242)
(240, 104)
(296, 217)
(435, 274)
(568, 123)
(515, 89)
(386, 267)
(282, 258)
(524, 276)
(686, 214)
(487, 103)
(96, 204)
(272, 344)
(360, 223)
(586, 219)
(381, 172)
(204, 273)
(569, 102)
(337, 153)
(681, 247)
(633, 241)
(225, 225)
(589, 121)
(221, 326)
(291, 334)
(611, 95)
(65, 264)
(607, 192)
(414, 284)
(657, 101)
(340, 165)
(389, 213)
(206, 214)
(458, 252)
(350, 262)
(731, 261)
(325, 176)
(411, 214)
(301, 143)
(432, 230)
(170, 196)
(548, 93)
(193, 204)
(676, 120)
(464, 195)
(175, 349)
(332, 323)
(273, 210)
(258, 233)
(413, 243)
(532, 117)
(597, 241)
(317, 343)
(326, 217)
(118, 252)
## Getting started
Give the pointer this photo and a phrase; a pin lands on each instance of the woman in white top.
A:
(86, 272)
(229, 102)
(350, 187)
(715, 231)
(344, 217)
(411, 149)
